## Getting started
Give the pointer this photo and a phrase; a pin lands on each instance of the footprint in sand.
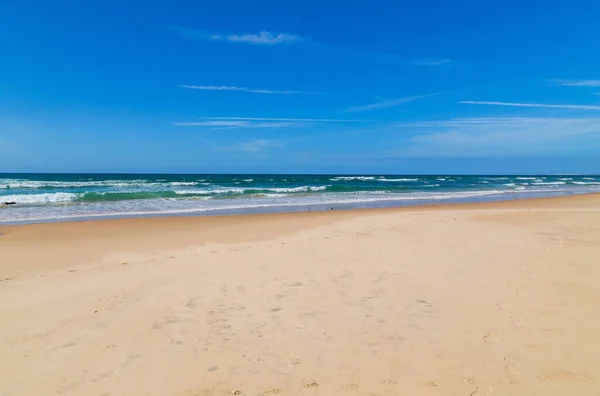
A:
(563, 375)
(272, 391)
(351, 385)
(312, 385)
(517, 321)
(502, 305)
(524, 268)
(512, 367)
(482, 390)
(522, 293)
(491, 337)
(389, 382)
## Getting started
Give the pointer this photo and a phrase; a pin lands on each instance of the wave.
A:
(373, 178)
(558, 183)
(270, 203)
(110, 196)
(43, 184)
(33, 199)
(183, 183)
(347, 178)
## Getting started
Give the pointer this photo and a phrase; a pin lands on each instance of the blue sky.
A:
(312, 86)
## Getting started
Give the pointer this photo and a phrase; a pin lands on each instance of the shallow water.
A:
(62, 197)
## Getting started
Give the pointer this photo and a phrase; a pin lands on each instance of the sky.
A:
(328, 86)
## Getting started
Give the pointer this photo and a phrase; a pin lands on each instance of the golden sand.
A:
(470, 299)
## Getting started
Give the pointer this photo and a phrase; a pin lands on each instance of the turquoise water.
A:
(60, 197)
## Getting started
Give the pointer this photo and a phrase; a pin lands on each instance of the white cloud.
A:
(244, 89)
(260, 122)
(239, 124)
(261, 38)
(430, 62)
(389, 103)
(548, 106)
(285, 119)
(577, 83)
(254, 146)
(394, 58)
(264, 38)
(477, 137)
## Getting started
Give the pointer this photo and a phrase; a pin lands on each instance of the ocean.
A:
(69, 197)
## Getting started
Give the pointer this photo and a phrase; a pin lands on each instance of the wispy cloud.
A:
(259, 122)
(476, 137)
(394, 58)
(287, 119)
(576, 83)
(548, 106)
(254, 146)
(262, 38)
(430, 62)
(244, 89)
(239, 124)
(266, 38)
(389, 103)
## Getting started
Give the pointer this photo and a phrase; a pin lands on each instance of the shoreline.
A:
(60, 198)
(358, 206)
(23, 242)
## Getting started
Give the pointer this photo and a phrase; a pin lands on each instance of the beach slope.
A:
(468, 299)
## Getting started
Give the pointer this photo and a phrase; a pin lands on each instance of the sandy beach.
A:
(467, 299)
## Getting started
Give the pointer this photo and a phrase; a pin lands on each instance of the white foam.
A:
(397, 180)
(36, 184)
(40, 199)
(183, 183)
(242, 190)
(353, 178)
(549, 183)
